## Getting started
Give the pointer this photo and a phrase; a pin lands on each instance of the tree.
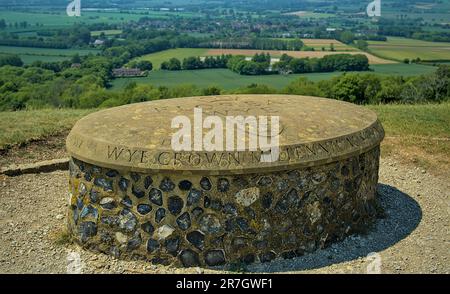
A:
(347, 37)
(13, 60)
(144, 65)
(3, 24)
(172, 64)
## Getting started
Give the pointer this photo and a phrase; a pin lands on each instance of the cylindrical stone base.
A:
(194, 220)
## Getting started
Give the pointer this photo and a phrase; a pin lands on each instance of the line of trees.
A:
(260, 64)
(328, 63)
(191, 63)
(256, 43)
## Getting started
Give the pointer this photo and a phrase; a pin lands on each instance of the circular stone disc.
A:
(312, 131)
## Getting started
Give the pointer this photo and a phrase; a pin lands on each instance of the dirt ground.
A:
(414, 237)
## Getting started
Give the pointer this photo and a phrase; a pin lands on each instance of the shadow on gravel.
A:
(403, 215)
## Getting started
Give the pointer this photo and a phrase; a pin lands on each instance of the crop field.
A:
(228, 80)
(106, 32)
(318, 44)
(310, 14)
(159, 57)
(31, 54)
(401, 48)
(52, 19)
(298, 54)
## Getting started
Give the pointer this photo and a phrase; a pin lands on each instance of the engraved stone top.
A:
(137, 137)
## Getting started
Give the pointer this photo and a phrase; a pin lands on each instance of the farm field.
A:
(180, 53)
(106, 32)
(298, 54)
(229, 80)
(310, 14)
(318, 44)
(52, 20)
(31, 54)
(401, 48)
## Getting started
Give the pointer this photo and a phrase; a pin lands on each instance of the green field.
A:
(51, 19)
(180, 53)
(228, 80)
(106, 32)
(31, 54)
(401, 48)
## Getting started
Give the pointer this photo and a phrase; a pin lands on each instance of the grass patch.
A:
(401, 48)
(21, 127)
(180, 53)
(418, 134)
(62, 238)
(106, 32)
(31, 54)
(228, 80)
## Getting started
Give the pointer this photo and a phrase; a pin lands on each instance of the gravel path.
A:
(414, 237)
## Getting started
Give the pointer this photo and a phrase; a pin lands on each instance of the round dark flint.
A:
(135, 177)
(184, 221)
(166, 185)
(112, 173)
(197, 239)
(189, 258)
(155, 196)
(148, 228)
(87, 230)
(206, 202)
(205, 183)
(152, 245)
(137, 192)
(266, 200)
(127, 220)
(134, 242)
(147, 182)
(172, 245)
(175, 205)
(267, 257)
(197, 212)
(193, 197)
(223, 185)
(144, 209)
(123, 184)
(160, 214)
(185, 185)
(94, 196)
(215, 258)
(107, 185)
(127, 202)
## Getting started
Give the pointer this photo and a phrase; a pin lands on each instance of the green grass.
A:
(54, 20)
(180, 53)
(401, 48)
(417, 134)
(228, 80)
(24, 126)
(427, 120)
(106, 32)
(45, 51)
(31, 54)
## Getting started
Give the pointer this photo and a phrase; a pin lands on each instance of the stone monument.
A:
(132, 196)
